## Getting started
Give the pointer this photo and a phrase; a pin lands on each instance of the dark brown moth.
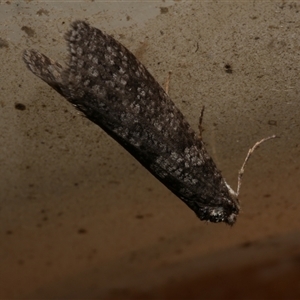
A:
(106, 82)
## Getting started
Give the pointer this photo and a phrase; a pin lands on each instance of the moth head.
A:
(222, 214)
(225, 211)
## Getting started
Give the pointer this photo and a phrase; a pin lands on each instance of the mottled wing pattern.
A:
(45, 68)
(113, 89)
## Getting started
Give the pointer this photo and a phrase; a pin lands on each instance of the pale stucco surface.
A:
(79, 217)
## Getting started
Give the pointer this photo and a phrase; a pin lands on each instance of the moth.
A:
(108, 84)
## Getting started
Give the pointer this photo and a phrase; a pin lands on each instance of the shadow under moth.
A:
(108, 84)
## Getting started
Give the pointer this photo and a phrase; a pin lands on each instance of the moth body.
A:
(106, 82)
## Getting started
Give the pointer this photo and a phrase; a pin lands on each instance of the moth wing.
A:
(45, 68)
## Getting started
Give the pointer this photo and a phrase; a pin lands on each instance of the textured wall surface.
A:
(79, 217)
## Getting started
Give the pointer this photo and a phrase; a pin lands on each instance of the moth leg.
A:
(201, 129)
(167, 83)
(251, 150)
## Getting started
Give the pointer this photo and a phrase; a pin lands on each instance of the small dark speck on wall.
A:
(29, 31)
(267, 195)
(139, 217)
(228, 69)
(164, 10)
(148, 215)
(3, 43)
(42, 11)
(20, 106)
(20, 262)
(272, 122)
(82, 231)
(246, 245)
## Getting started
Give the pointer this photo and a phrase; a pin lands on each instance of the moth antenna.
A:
(251, 150)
